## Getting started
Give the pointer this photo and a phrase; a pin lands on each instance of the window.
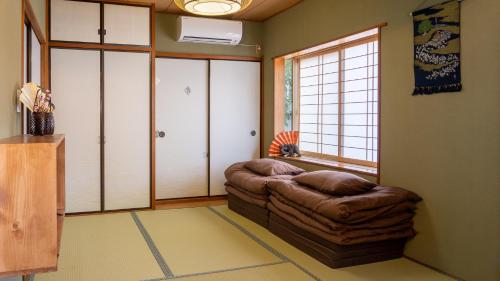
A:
(334, 99)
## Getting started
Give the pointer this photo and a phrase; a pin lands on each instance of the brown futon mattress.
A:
(250, 198)
(332, 254)
(253, 212)
(378, 202)
(346, 236)
(239, 176)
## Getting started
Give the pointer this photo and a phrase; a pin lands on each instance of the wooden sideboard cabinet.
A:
(31, 203)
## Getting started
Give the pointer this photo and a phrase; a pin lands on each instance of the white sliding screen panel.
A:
(182, 114)
(75, 84)
(234, 117)
(75, 21)
(127, 133)
(126, 24)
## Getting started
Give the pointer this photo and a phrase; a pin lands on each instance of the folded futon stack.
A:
(343, 208)
(247, 186)
(338, 218)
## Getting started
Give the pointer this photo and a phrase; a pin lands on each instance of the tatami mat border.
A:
(262, 243)
(154, 250)
(219, 271)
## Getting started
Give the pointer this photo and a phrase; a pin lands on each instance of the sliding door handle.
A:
(160, 134)
(253, 133)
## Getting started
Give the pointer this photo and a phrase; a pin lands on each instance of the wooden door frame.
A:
(207, 57)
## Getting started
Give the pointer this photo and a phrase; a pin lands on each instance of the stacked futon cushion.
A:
(247, 185)
(338, 218)
(342, 208)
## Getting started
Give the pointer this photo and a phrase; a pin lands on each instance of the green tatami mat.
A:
(103, 248)
(197, 240)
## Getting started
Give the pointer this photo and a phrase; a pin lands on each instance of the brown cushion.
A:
(335, 183)
(271, 167)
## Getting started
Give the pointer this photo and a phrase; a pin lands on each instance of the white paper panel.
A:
(126, 111)
(74, 21)
(126, 24)
(75, 84)
(234, 114)
(182, 112)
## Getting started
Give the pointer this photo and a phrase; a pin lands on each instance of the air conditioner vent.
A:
(207, 40)
(211, 31)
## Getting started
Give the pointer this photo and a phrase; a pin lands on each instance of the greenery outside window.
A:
(288, 95)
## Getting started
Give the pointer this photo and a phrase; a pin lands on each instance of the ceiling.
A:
(258, 10)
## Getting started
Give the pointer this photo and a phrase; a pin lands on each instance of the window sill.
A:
(370, 171)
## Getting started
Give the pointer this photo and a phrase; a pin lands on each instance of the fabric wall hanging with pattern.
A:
(437, 49)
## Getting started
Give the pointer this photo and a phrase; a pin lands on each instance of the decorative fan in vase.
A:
(285, 144)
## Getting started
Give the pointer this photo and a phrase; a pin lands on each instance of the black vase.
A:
(37, 123)
(49, 124)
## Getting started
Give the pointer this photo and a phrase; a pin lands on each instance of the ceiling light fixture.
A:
(212, 7)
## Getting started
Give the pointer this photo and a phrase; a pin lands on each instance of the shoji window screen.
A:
(338, 103)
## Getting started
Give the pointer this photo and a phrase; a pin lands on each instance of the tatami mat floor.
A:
(198, 244)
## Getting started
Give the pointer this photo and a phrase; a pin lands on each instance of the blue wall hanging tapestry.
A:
(437, 49)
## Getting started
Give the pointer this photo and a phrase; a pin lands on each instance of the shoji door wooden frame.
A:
(261, 138)
(102, 47)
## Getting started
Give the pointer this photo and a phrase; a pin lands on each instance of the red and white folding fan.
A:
(290, 137)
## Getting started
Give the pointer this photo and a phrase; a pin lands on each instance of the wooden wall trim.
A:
(380, 25)
(76, 214)
(206, 56)
(379, 104)
(262, 112)
(153, 109)
(191, 199)
(306, 53)
(97, 46)
(336, 165)
(23, 15)
(124, 2)
(279, 95)
(30, 15)
(45, 57)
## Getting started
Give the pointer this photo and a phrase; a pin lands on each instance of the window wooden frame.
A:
(296, 99)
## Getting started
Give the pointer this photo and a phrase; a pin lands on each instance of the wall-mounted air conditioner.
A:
(212, 31)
